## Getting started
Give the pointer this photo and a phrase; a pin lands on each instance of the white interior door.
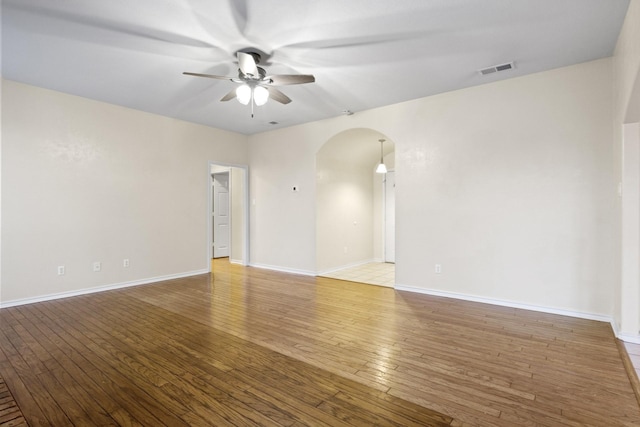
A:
(390, 217)
(221, 221)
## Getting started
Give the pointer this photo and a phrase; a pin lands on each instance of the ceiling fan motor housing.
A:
(261, 74)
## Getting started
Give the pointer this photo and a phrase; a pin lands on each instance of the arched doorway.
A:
(350, 207)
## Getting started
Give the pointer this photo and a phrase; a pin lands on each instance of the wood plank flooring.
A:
(245, 346)
(10, 414)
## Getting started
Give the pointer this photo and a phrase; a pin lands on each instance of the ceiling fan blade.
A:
(278, 96)
(359, 41)
(240, 14)
(209, 76)
(229, 96)
(130, 35)
(290, 79)
(248, 64)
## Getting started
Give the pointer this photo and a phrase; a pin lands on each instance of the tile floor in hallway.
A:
(373, 273)
(634, 354)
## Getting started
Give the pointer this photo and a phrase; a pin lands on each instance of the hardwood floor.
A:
(10, 414)
(245, 346)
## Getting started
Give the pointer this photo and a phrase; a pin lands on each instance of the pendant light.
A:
(381, 167)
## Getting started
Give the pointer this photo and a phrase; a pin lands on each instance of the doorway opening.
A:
(220, 215)
(228, 213)
(355, 211)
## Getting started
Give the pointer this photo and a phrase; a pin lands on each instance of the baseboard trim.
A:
(283, 269)
(50, 297)
(634, 339)
(503, 303)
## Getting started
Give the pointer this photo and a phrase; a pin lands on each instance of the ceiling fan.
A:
(256, 87)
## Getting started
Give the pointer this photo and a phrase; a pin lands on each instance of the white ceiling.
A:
(363, 53)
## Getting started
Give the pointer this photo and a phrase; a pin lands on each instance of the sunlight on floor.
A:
(373, 273)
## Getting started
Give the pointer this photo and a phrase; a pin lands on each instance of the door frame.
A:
(245, 211)
(385, 219)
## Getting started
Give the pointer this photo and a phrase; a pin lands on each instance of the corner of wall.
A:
(626, 115)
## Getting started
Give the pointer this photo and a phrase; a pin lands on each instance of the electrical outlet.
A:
(125, 263)
(438, 268)
(61, 270)
(97, 266)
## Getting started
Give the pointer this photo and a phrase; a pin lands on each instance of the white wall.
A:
(238, 215)
(282, 222)
(1, 84)
(507, 185)
(630, 242)
(626, 117)
(85, 181)
(344, 202)
(627, 64)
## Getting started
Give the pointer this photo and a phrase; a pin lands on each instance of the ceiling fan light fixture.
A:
(256, 88)
(260, 95)
(243, 93)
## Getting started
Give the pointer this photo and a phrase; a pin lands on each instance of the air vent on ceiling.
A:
(496, 68)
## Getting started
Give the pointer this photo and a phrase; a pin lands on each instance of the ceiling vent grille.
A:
(496, 68)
